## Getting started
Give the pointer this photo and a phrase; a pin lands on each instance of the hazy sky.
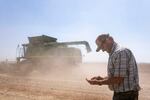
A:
(127, 21)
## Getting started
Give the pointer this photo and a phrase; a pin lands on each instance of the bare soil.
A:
(67, 84)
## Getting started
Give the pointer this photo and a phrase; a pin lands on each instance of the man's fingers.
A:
(93, 78)
(87, 80)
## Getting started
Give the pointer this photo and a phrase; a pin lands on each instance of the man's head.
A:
(104, 42)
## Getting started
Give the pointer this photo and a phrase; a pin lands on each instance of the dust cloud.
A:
(59, 69)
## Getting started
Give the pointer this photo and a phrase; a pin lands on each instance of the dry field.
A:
(67, 84)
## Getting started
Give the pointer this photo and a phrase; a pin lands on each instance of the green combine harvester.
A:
(44, 52)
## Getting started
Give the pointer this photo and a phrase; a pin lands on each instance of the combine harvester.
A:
(44, 52)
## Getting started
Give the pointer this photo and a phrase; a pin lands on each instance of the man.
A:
(122, 70)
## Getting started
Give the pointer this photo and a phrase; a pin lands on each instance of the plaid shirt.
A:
(122, 63)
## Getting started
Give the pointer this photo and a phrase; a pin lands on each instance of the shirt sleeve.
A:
(120, 64)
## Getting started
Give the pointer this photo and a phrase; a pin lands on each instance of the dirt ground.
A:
(65, 84)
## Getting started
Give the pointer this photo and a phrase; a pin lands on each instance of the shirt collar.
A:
(113, 48)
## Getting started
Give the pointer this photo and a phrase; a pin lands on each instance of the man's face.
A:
(104, 44)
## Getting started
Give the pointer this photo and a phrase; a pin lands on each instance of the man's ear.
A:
(110, 39)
